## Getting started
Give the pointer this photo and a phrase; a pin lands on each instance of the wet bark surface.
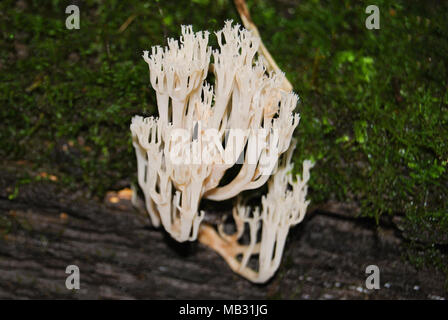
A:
(120, 256)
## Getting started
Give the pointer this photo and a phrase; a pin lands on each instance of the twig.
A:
(127, 23)
(250, 25)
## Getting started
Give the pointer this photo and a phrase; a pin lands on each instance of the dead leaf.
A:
(125, 194)
(114, 200)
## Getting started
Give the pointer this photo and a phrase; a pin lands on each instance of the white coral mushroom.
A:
(282, 207)
(183, 155)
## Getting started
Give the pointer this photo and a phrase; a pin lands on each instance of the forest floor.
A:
(120, 256)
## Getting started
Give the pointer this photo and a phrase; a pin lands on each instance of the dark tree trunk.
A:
(120, 256)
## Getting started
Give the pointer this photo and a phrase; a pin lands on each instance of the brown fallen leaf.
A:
(125, 193)
(114, 199)
(121, 199)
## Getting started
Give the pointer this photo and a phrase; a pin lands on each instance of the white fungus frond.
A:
(202, 131)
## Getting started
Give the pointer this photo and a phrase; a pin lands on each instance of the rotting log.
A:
(120, 256)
